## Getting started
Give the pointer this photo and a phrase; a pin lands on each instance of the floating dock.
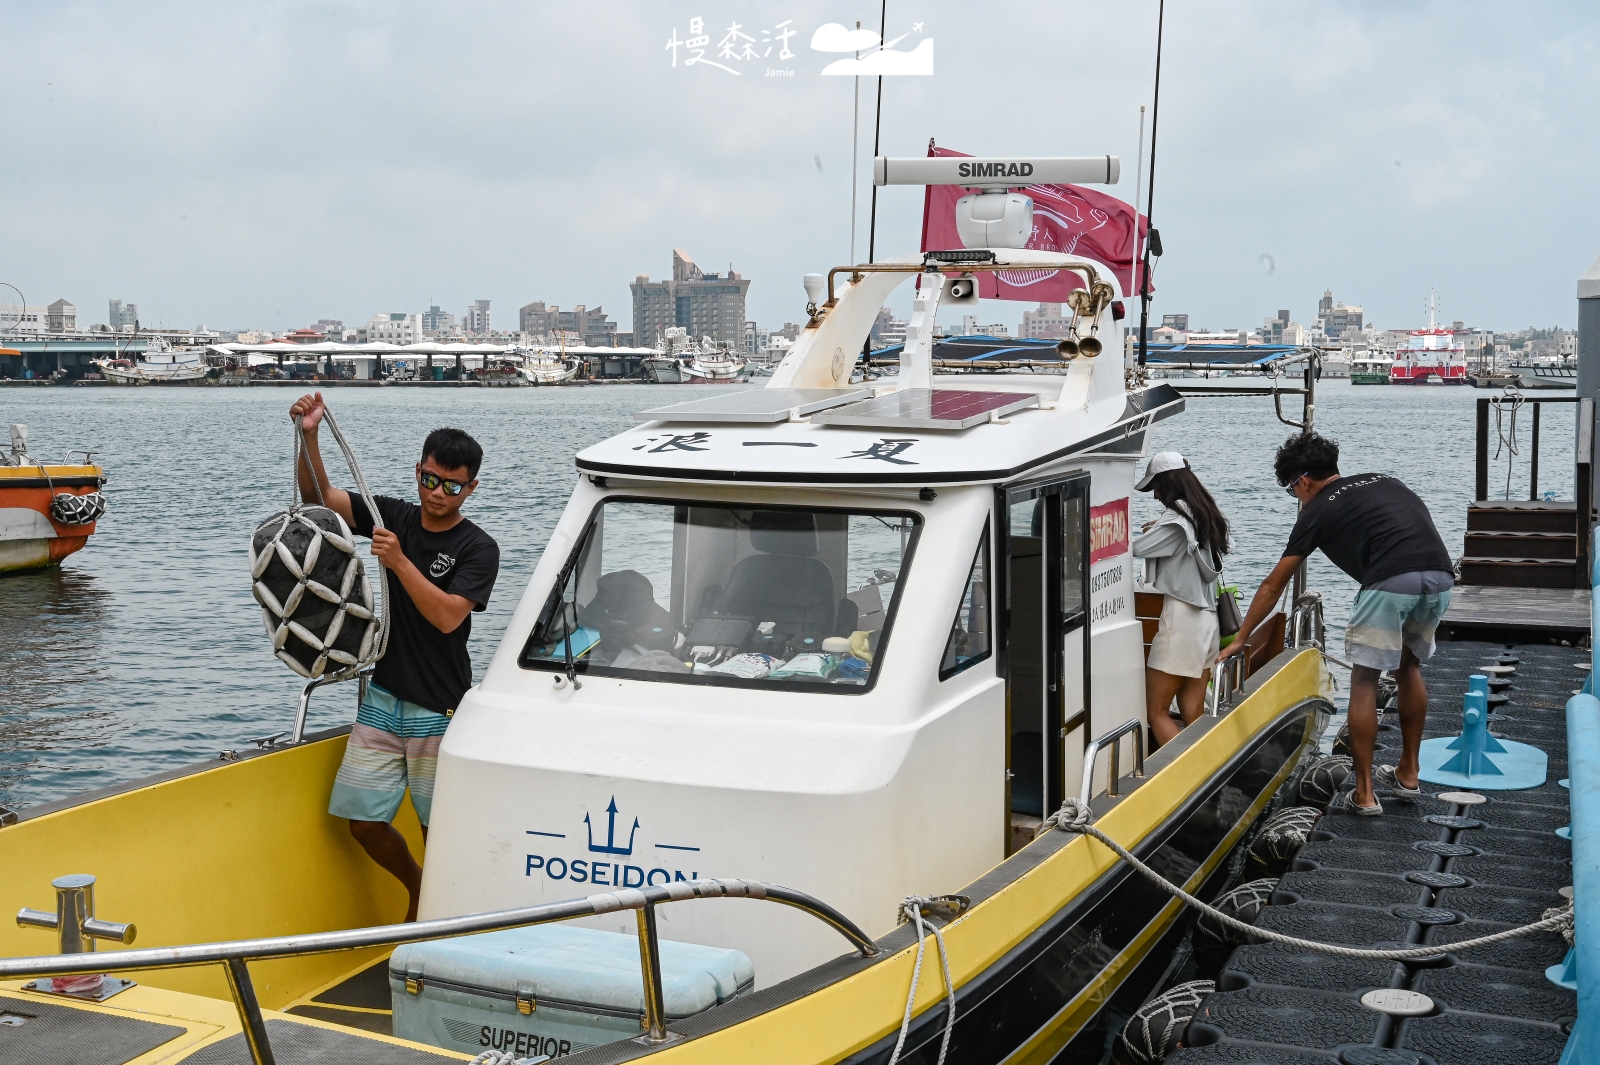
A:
(1429, 871)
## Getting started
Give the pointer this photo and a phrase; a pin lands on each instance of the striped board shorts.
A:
(1382, 623)
(394, 745)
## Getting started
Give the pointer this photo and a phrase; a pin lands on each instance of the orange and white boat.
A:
(47, 510)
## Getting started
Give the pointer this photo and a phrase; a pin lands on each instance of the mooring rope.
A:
(912, 908)
(302, 454)
(1073, 817)
(1507, 438)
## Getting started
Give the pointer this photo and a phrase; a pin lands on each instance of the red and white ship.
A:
(1430, 356)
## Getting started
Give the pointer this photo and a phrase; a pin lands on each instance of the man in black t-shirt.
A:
(1378, 531)
(440, 568)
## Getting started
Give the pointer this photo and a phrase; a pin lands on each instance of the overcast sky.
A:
(266, 165)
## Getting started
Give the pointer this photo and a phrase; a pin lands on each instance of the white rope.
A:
(912, 908)
(504, 1057)
(381, 643)
(1075, 818)
(1506, 439)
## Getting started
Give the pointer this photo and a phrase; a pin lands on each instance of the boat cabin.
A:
(851, 638)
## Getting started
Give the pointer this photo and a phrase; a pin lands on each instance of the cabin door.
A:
(1043, 550)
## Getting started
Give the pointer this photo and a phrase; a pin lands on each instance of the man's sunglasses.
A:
(1287, 488)
(432, 481)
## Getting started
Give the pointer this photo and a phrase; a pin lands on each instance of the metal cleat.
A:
(76, 929)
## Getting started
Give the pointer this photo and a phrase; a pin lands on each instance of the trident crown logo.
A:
(610, 845)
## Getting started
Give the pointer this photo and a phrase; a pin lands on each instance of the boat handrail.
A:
(938, 266)
(1227, 677)
(1134, 726)
(234, 954)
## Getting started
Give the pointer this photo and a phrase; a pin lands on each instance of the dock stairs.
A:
(1522, 544)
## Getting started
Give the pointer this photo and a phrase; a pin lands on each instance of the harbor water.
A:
(145, 651)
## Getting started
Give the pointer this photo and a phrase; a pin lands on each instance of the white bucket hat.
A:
(1160, 462)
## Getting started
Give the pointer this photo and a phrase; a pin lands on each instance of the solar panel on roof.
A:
(760, 405)
(925, 408)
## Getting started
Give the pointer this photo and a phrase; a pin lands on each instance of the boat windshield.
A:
(717, 594)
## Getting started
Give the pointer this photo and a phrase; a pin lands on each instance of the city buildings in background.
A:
(476, 319)
(578, 326)
(122, 317)
(1336, 319)
(1050, 321)
(396, 327)
(762, 345)
(706, 305)
(970, 327)
(436, 321)
(15, 318)
(888, 330)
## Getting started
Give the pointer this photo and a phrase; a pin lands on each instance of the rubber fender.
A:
(1245, 902)
(1323, 779)
(1341, 742)
(316, 604)
(1281, 838)
(69, 509)
(1157, 1028)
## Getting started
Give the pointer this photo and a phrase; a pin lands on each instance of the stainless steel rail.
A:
(1136, 727)
(234, 954)
(299, 734)
(930, 266)
(1227, 677)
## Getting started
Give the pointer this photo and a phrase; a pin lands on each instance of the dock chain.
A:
(1076, 817)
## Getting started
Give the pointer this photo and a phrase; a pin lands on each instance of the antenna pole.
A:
(1155, 114)
(855, 151)
(877, 130)
(1138, 184)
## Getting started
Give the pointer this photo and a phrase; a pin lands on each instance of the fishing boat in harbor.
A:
(160, 365)
(839, 648)
(714, 367)
(541, 367)
(47, 510)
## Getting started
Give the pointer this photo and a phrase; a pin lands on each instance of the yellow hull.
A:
(247, 849)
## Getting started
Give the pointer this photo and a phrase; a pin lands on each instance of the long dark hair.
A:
(1175, 487)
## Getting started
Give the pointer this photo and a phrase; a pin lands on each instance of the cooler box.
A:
(551, 989)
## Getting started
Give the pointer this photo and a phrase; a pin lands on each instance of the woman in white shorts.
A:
(1183, 551)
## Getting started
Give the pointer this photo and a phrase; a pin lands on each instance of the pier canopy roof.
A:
(1222, 356)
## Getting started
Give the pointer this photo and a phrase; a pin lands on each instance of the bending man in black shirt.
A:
(441, 567)
(1378, 531)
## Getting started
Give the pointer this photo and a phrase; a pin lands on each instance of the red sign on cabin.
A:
(1108, 530)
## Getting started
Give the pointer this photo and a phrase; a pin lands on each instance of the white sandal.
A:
(1383, 777)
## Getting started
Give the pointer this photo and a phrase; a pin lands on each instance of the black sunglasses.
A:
(431, 481)
(1287, 488)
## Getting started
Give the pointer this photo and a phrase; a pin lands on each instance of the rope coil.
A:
(1075, 818)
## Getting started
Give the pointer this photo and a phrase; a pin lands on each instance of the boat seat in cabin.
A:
(625, 612)
(784, 582)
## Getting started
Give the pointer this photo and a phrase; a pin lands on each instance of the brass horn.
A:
(1090, 346)
(1067, 349)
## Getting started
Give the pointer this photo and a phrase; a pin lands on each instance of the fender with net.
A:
(316, 604)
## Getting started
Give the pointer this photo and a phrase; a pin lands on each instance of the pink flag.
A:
(1066, 218)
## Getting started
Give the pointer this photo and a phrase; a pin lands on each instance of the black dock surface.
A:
(1426, 872)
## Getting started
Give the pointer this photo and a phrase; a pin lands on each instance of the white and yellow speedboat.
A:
(851, 641)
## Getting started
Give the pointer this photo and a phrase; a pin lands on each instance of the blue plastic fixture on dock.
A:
(1475, 758)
